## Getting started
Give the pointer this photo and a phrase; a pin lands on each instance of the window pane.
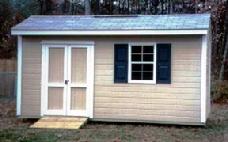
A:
(136, 57)
(136, 49)
(136, 76)
(148, 57)
(136, 67)
(142, 55)
(148, 67)
(147, 75)
(148, 49)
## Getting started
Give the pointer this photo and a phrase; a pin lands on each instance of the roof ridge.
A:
(135, 15)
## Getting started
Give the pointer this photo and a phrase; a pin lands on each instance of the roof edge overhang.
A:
(110, 32)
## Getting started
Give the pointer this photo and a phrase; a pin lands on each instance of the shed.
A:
(140, 68)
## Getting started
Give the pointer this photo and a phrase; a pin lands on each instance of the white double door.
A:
(66, 80)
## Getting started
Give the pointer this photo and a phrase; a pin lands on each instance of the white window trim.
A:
(130, 62)
(19, 74)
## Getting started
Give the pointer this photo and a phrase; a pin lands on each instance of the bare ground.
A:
(16, 130)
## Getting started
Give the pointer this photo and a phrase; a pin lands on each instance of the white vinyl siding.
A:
(31, 78)
(177, 102)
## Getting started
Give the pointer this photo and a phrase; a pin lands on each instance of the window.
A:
(142, 63)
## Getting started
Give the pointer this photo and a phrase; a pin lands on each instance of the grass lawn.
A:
(14, 130)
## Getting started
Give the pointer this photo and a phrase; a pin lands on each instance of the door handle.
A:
(66, 82)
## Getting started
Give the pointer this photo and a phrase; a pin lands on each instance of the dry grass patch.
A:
(14, 130)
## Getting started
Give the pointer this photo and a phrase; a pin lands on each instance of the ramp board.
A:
(60, 123)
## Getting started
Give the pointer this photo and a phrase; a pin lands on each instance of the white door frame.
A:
(90, 78)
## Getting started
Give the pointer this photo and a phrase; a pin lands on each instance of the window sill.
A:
(142, 81)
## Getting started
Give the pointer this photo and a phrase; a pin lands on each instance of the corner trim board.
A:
(91, 82)
(43, 82)
(111, 32)
(19, 74)
(203, 78)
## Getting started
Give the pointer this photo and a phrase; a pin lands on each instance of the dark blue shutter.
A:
(163, 63)
(121, 63)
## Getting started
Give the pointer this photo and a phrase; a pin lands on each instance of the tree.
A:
(8, 18)
(87, 7)
(25, 7)
(221, 73)
(162, 6)
(155, 4)
(41, 6)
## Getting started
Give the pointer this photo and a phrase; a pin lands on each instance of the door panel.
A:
(78, 99)
(78, 83)
(56, 65)
(78, 65)
(55, 98)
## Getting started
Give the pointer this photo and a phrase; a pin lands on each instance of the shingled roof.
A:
(99, 23)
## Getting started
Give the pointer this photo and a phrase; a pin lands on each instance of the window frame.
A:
(141, 62)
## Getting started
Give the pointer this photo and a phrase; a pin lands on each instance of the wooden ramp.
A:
(60, 122)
